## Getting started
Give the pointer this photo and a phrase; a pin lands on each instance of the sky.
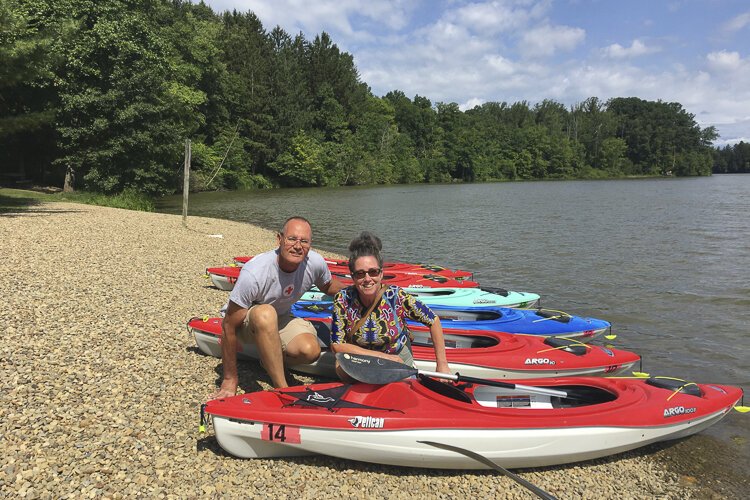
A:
(695, 52)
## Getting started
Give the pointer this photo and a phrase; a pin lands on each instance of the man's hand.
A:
(227, 389)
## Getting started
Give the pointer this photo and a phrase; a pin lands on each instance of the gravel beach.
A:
(101, 384)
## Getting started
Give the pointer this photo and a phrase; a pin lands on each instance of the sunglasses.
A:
(372, 273)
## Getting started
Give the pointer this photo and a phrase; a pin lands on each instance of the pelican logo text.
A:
(538, 361)
(367, 422)
(677, 410)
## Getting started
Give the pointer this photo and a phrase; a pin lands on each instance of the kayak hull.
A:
(519, 449)
(342, 267)
(405, 415)
(499, 319)
(224, 278)
(458, 297)
(484, 354)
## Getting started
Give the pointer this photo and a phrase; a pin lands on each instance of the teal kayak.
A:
(458, 297)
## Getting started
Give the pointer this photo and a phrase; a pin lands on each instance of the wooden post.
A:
(186, 183)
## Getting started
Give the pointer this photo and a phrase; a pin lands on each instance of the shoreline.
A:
(102, 385)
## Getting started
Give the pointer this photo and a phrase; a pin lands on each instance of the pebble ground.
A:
(100, 384)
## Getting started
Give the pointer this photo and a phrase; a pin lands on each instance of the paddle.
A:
(374, 370)
(486, 461)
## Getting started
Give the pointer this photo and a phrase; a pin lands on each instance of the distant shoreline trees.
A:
(104, 93)
(733, 159)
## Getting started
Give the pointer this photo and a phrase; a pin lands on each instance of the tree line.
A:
(733, 159)
(102, 95)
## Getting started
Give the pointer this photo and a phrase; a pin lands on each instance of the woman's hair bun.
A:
(366, 241)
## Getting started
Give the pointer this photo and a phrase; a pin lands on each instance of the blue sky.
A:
(693, 52)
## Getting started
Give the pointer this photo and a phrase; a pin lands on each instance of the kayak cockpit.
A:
(498, 397)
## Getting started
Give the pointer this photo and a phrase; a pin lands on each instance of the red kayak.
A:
(341, 266)
(414, 423)
(473, 353)
(224, 278)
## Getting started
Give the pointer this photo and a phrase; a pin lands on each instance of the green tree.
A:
(291, 102)
(248, 55)
(613, 154)
(29, 32)
(662, 137)
(303, 163)
(125, 109)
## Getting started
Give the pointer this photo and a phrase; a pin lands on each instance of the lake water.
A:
(667, 261)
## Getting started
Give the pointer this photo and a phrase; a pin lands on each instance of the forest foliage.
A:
(108, 92)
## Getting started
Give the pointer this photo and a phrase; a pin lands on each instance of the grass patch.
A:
(17, 200)
(128, 199)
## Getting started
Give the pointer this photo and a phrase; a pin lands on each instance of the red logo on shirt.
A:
(288, 290)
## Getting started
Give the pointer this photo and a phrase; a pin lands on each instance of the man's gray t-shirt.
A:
(262, 281)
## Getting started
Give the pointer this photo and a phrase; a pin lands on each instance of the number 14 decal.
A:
(281, 433)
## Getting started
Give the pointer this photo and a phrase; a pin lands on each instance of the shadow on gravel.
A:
(12, 206)
(250, 372)
(194, 350)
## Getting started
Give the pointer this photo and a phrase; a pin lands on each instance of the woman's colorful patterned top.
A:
(385, 329)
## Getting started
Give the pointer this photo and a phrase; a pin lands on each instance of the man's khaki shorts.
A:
(289, 328)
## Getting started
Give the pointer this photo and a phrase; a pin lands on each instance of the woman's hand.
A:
(442, 367)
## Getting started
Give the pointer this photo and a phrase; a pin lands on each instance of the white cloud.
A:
(725, 61)
(546, 40)
(737, 22)
(498, 16)
(637, 48)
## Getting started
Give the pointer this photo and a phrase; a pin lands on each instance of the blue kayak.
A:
(543, 322)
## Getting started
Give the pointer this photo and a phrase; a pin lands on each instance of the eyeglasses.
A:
(373, 273)
(293, 240)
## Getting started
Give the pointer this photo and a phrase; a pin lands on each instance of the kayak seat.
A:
(466, 315)
(483, 342)
(675, 385)
(457, 341)
(323, 331)
(496, 291)
(580, 395)
(554, 315)
(447, 390)
(567, 345)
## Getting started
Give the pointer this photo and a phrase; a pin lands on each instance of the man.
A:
(259, 306)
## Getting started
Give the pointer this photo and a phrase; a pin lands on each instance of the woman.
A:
(370, 318)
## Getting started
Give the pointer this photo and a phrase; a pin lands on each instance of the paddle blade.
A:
(742, 409)
(641, 375)
(611, 336)
(372, 369)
